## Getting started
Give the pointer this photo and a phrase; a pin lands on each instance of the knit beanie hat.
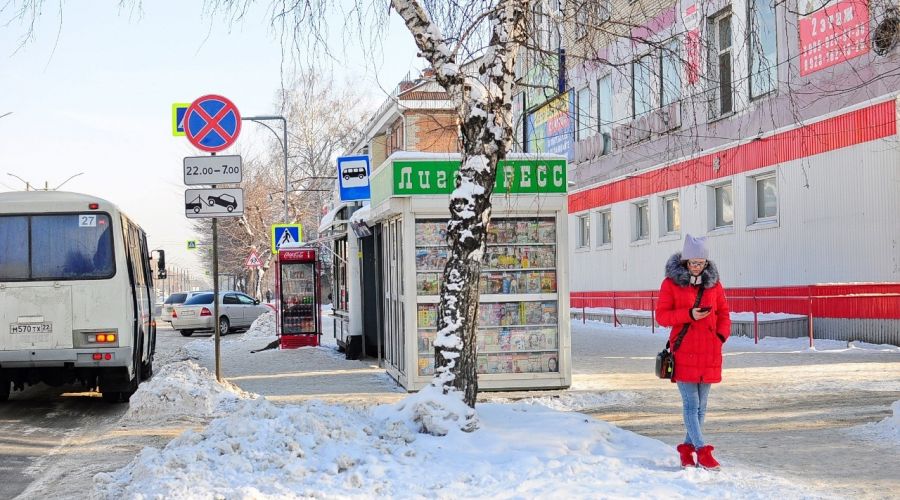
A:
(694, 248)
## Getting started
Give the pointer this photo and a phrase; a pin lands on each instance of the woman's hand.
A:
(699, 313)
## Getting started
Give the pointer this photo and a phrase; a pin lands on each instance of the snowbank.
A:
(183, 390)
(887, 431)
(259, 450)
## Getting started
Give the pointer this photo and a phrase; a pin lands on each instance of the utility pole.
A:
(260, 120)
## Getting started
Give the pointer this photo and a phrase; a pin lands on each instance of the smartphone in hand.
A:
(705, 309)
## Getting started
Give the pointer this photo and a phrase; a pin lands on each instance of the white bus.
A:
(76, 295)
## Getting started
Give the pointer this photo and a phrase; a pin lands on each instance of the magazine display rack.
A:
(518, 328)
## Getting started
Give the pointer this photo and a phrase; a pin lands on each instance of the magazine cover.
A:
(426, 365)
(426, 341)
(549, 362)
(504, 339)
(427, 316)
(518, 339)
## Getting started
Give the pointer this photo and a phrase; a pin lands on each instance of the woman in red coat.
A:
(698, 357)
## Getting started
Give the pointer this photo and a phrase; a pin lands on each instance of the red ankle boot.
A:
(705, 458)
(687, 454)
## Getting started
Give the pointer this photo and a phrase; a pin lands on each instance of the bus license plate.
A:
(46, 327)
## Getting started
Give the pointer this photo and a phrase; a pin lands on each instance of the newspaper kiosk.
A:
(523, 338)
(297, 297)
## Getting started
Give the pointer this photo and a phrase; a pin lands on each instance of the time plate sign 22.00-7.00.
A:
(204, 170)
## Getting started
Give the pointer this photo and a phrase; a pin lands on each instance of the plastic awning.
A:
(328, 219)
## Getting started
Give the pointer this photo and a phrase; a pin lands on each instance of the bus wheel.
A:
(4, 388)
(146, 368)
(186, 333)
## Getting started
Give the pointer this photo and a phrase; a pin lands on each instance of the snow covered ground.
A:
(358, 439)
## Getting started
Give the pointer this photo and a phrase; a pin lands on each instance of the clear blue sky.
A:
(94, 95)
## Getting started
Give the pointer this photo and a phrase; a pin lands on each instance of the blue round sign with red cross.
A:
(212, 123)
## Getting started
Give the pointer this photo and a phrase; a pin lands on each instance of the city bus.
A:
(76, 295)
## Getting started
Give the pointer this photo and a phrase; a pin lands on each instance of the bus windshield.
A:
(56, 247)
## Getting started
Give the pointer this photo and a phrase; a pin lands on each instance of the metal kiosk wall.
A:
(297, 290)
(523, 338)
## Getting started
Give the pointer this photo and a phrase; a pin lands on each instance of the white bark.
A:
(484, 105)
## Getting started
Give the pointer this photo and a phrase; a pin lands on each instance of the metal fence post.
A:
(755, 319)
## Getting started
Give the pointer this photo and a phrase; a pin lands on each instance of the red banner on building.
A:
(833, 35)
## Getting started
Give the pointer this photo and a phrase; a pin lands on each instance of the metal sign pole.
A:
(215, 263)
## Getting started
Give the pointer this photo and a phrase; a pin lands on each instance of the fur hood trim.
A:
(679, 273)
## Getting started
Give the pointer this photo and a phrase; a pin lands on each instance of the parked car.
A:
(236, 311)
(173, 300)
(225, 200)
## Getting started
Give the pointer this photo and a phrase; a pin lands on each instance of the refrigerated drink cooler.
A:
(297, 297)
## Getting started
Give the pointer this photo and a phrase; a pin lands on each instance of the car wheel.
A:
(230, 208)
(210, 202)
(224, 326)
(186, 333)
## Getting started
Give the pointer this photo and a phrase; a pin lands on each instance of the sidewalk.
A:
(782, 408)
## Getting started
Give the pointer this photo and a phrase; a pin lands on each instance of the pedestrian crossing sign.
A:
(284, 234)
(191, 244)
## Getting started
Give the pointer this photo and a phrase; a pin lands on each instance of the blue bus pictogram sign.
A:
(212, 123)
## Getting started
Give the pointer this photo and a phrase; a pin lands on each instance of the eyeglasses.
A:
(696, 263)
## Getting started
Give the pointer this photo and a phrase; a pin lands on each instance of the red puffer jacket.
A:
(699, 358)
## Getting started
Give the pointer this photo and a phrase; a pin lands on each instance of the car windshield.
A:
(176, 298)
(203, 298)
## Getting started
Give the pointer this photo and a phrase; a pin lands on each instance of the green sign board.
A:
(191, 244)
(525, 176)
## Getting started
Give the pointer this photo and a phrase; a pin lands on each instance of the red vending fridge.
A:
(297, 292)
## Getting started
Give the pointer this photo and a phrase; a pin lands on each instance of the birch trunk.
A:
(484, 105)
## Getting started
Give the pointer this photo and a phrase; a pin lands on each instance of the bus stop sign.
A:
(212, 123)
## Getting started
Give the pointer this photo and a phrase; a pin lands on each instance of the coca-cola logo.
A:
(298, 254)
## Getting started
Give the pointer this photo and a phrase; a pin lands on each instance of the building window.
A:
(584, 231)
(724, 206)
(721, 101)
(763, 47)
(670, 77)
(604, 228)
(583, 125)
(766, 198)
(605, 111)
(672, 213)
(641, 85)
(641, 221)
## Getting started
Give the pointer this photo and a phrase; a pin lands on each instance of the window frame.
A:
(638, 221)
(664, 200)
(670, 50)
(605, 120)
(714, 212)
(583, 234)
(583, 118)
(753, 43)
(714, 63)
(648, 86)
(753, 207)
(604, 227)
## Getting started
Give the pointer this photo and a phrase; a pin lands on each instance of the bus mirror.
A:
(161, 264)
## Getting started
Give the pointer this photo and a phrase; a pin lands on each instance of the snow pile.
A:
(887, 431)
(330, 451)
(262, 328)
(183, 390)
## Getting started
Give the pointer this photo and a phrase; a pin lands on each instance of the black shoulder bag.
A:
(665, 360)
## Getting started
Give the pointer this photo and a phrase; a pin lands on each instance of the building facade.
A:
(770, 128)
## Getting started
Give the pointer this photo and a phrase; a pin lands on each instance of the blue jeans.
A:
(693, 402)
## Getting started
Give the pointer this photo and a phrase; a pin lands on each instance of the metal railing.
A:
(866, 306)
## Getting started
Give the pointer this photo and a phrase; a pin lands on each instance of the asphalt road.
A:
(42, 424)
